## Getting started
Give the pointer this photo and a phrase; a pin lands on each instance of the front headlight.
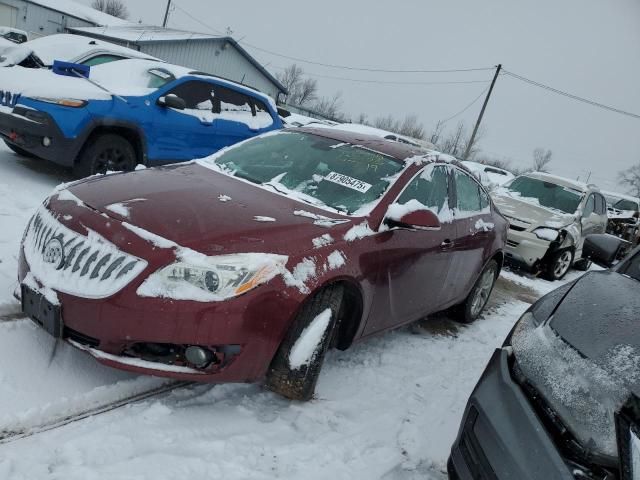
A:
(65, 102)
(544, 233)
(205, 279)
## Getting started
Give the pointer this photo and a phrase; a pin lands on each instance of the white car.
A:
(41, 52)
(488, 175)
(549, 218)
(13, 35)
(378, 132)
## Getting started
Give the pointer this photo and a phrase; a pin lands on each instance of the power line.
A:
(364, 69)
(570, 95)
(465, 108)
(384, 82)
(196, 19)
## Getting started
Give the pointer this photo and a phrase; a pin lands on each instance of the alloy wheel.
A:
(483, 290)
(562, 264)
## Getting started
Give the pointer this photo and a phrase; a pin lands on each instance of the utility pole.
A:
(166, 14)
(484, 106)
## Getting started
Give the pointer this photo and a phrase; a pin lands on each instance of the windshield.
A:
(547, 194)
(313, 169)
(626, 205)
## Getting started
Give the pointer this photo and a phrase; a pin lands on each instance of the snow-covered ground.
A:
(388, 408)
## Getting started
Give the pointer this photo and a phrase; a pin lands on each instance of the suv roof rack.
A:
(206, 74)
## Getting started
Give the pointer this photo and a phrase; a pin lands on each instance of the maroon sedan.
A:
(250, 264)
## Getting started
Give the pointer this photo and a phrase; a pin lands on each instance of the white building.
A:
(216, 54)
(45, 17)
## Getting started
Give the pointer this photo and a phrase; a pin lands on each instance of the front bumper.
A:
(26, 129)
(246, 331)
(500, 436)
(525, 248)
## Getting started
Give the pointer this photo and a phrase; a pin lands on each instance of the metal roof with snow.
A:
(152, 38)
(82, 12)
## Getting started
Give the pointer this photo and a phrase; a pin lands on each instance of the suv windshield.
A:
(547, 194)
(313, 169)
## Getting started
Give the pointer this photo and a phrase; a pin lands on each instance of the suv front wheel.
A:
(559, 264)
(105, 153)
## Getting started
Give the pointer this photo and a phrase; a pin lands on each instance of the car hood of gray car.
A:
(528, 211)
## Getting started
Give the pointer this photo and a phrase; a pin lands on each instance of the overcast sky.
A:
(588, 47)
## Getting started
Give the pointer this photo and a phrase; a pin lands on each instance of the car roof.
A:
(399, 151)
(562, 181)
(64, 46)
(620, 196)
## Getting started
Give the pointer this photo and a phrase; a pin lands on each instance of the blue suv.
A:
(127, 113)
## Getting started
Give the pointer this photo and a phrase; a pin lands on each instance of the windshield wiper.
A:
(269, 184)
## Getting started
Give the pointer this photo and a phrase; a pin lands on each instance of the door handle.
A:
(446, 244)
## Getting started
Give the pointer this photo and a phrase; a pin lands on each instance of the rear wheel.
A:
(19, 150)
(558, 265)
(105, 153)
(296, 366)
(472, 307)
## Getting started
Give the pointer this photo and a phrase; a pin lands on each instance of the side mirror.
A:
(172, 101)
(403, 216)
(603, 249)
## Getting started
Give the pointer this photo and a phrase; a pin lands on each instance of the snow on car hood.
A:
(529, 211)
(204, 210)
(585, 360)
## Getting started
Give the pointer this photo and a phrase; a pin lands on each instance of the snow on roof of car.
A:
(82, 12)
(125, 78)
(69, 48)
(378, 132)
(562, 181)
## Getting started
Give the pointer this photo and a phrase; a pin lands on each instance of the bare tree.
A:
(630, 178)
(330, 107)
(116, 8)
(301, 90)
(541, 158)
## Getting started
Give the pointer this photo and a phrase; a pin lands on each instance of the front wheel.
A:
(472, 307)
(296, 366)
(105, 153)
(558, 265)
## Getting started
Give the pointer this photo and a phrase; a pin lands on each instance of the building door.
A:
(8, 15)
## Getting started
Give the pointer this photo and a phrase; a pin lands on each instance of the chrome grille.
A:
(88, 266)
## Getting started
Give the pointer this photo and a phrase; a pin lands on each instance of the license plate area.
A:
(42, 311)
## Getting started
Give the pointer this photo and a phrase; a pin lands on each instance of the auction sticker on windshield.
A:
(349, 182)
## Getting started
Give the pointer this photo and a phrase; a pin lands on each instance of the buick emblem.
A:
(54, 253)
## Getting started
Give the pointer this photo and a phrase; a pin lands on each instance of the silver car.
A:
(549, 218)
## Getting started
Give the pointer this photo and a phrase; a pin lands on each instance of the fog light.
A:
(198, 356)
(46, 141)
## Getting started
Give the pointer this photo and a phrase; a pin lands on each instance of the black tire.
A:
(104, 153)
(300, 383)
(19, 150)
(558, 264)
(583, 264)
(469, 310)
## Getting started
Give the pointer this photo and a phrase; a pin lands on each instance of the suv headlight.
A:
(545, 233)
(205, 279)
(65, 102)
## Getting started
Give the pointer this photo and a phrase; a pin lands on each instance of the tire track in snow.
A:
(8, 436)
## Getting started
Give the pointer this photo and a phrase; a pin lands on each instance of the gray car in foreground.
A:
(546, 405)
